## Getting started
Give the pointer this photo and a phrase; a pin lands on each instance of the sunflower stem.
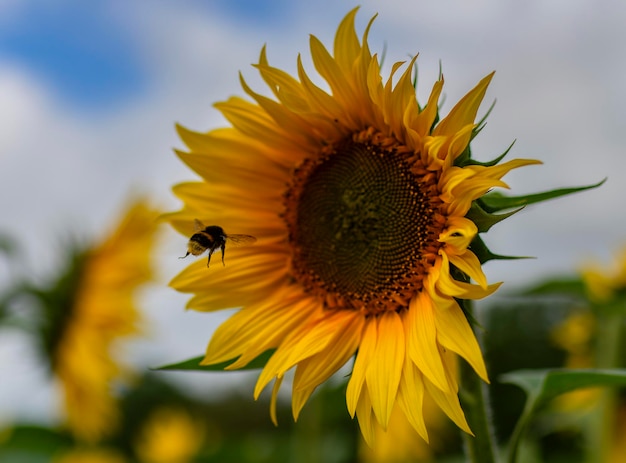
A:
(474, 398)
(600, 429)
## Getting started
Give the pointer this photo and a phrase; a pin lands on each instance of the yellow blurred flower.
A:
(575, 336)
(398, 444)
(359, 200)
(97, 308)
(603, 285)
(170, 436)
(401, 444)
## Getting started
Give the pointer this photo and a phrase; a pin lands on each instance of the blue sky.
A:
(78, 48)
(90, 92)
(89, 55)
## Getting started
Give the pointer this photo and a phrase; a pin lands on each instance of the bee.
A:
(211, 238)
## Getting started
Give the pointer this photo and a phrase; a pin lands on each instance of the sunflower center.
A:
(363, 224)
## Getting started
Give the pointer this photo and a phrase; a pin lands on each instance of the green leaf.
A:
(496, 201)
(544, 385)
(561, 286)
(26, 443)
(193, 364)
(541, 386)
(483, 220)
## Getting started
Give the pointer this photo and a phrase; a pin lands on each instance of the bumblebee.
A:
(211, 238)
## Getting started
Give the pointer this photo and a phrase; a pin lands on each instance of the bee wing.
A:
(197, 225)
(241, 240)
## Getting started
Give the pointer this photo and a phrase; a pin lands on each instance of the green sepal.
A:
(483, 253)
(496, 201)
(193, 364)
(465, 159)
(541, 386)
(483, 121)
(484, 220)
(473, 162)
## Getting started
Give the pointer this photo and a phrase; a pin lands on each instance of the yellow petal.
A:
(252, 121)
(253, 330)
(299, 397)
(370, 112)
(458, 235)
(458, 143)
(500, 170)
(411, 397)
(304, 342)
(469, 264)
(318, 368)
(272, 176)
(451, 365)
(291, 125)
(273, 400)
(218, 146)
(237, 283)
(365, 415)
(472, 189)
(454, 333)
(217, 200)
(447, 285)
(270, 335)
(401, 101)
(449, 403)
(422, 340)
(375, 87)
(361, 364)
(464, 112)
(327, 67)
(319, 336)
(287, 89)
(347, 46)
(426, 117)
(385, 370)
(319, 100)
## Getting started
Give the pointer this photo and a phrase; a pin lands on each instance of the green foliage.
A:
(8, 245)
(541, 386)
(572, 286)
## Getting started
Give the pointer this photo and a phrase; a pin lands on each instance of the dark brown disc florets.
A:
(363, 219)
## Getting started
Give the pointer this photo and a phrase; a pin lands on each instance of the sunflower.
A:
(90, 308)
(171, 435)
(360, 199)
